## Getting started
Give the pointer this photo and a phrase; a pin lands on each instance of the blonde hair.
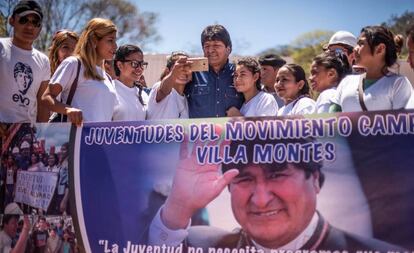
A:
(95, 30)
(58, 39)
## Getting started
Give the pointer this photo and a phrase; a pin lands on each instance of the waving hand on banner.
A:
(194, 187)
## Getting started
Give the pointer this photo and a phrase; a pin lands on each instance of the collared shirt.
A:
(211, 94)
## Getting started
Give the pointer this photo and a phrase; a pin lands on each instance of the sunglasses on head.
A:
(36, 22)
(137, 64)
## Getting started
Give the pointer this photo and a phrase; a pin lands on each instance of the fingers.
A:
(75, 116)
(226, 179)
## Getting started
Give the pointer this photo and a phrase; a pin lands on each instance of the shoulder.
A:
(5, 43)
(305, 101)
(206, 236)
(338, 239)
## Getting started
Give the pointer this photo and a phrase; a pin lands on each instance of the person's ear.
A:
(380, 49)
(301, 83)
(119, 65)
(228, 50)
(332, 74)
(315, 177)
(12, 21)
(256, 77)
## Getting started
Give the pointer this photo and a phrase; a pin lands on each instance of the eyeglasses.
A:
(36, 22)
(137, 64)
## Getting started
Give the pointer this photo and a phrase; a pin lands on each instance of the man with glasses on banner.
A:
(24, 71)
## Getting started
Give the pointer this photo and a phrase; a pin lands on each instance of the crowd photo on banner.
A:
(89, 77)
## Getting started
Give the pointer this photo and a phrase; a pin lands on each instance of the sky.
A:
(257, 25)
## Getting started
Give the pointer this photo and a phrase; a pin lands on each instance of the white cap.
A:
(13, 208)
(25, 13)
(25, 144)
(15, 150)
(343, 37)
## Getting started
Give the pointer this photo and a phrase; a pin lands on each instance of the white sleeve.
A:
(401, 93)
(267, 106)
(305, 106)
(336, 99)
(65, 73)
(159, 234)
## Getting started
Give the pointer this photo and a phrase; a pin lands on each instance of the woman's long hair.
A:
(95, 30)
(58, 39)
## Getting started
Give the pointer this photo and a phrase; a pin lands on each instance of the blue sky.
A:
(256, 25)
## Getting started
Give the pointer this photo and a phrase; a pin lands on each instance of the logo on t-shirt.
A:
(23, 75)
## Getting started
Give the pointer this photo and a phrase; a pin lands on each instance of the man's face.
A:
(410, 46)
(11, 227)
(216, 52)
(273, 207)
(26, 28)
(42, 225)
(22, 81)
(268, 76)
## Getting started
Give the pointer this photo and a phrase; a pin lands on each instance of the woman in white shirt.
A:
(95, 96)
(381, 89)
(292, 86)
(167, 99)
(327, 70)
(129, 66)
(247, 81)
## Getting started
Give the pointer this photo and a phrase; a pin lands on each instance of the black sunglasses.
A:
(36, 22)
(137, 64)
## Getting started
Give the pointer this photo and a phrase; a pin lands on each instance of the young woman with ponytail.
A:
(377, 88)
(95, 97)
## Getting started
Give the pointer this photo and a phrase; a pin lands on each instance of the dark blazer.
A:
(325, 237)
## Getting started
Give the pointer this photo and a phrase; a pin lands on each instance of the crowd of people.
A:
(88, 78)
(27, 159)
(45, 236)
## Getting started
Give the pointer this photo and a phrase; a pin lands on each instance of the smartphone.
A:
(198, 64)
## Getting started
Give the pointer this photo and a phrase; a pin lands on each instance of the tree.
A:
(400, 24)
(133, 26)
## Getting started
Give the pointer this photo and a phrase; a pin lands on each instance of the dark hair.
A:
(8, 217)
(171, 61)
(122, 53)
(216, 32)
(299, 74)
(273, 60)
(399, 43)
(252, 65)
(334, 60)
(308, 167)
(376, 35)
(43, 218)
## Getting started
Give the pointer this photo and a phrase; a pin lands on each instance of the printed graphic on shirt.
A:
(23, 75)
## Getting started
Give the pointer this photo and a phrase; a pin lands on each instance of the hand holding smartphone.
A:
(198, 64)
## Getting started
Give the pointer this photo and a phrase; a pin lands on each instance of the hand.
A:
(181, 71)
(26, 223)
(194, 187)
(74, 115)
(233, 112)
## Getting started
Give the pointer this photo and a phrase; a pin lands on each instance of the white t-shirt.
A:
(324, 100)
(129, 106)
(263, 104)
(96, 99)
(302, 105)
(388, 93)
(410, 104)
(173, 106)
(21, 73)
(5, 242)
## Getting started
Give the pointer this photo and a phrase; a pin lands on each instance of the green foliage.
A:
(400, 25)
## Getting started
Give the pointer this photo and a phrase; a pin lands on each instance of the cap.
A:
(342, 37)
(272, 60)
(13, 209)
(15, 150)
(27, 7)
(24, 144)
